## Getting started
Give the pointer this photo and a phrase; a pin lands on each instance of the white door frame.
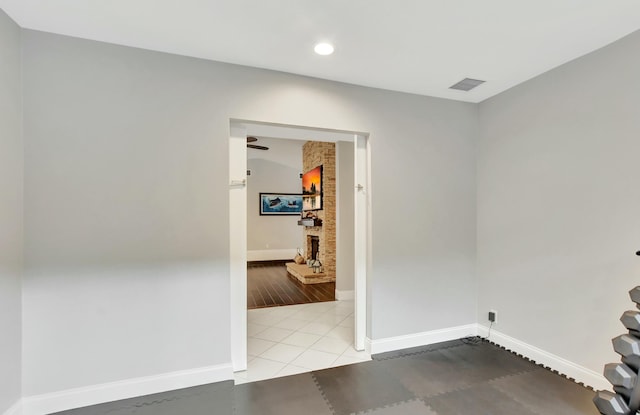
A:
(361, 221)
(239, 129)
(238, 244)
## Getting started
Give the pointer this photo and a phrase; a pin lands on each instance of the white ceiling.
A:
(416, 46)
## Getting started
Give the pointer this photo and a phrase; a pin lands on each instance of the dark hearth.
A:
(314, 245)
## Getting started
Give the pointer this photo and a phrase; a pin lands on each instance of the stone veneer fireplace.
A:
(316, 154)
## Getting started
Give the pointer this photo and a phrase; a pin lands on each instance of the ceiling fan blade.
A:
(257, 147)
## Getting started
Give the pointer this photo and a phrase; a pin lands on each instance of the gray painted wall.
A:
(11, 234)
(558, 205)
(127, 214)
(275, 170)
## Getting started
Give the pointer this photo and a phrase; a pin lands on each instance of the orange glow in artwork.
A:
(312, 181)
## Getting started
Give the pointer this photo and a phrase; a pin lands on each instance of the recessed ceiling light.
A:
(324, 48)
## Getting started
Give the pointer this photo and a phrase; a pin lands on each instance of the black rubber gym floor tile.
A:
(291, 395)
(440, 371)
(451, 378)
(426, 374)
(360, 387)
(417, 350)
(478, 400)
(415, 407)
(213, 399)
(485, 361)
(545, 392)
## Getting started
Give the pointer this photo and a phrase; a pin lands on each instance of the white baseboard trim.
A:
(345, 295)
(15, 409)
(579, 373)
(130, 388)
(420, 339)
(271, 254)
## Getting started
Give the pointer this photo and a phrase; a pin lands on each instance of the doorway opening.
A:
(282, 267)
(353, 302)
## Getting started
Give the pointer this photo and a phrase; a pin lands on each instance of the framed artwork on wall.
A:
(280, 204)
(312, 189)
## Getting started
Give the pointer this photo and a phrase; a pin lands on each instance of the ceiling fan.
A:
(257, 147)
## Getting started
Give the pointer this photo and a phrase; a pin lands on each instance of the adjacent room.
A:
(471, 241)
(289, 259)
(300, 269)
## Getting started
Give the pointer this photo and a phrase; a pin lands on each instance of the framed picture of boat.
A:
(280, 204)
(312, 189)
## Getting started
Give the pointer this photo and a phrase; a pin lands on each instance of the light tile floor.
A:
(299, 338)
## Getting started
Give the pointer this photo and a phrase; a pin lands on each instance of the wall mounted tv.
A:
(312, 189)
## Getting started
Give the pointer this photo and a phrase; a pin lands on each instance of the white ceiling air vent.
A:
(467, 84)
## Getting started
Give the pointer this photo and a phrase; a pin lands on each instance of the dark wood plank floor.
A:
(269, 284)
